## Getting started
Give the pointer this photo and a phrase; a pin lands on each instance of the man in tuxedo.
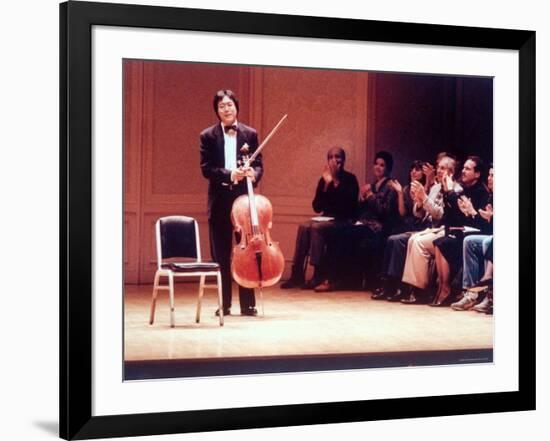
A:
(221, 163)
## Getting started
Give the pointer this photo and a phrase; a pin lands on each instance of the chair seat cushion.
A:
(190, 267)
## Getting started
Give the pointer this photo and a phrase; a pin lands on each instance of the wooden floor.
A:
(296, 322)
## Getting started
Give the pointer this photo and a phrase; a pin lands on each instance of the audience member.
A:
(377, 215)
(396, 246)
(461, 211)
(418, 267)
(336, 199)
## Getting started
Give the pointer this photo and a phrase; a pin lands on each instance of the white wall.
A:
(29, 189)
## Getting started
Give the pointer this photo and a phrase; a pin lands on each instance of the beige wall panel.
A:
(133, 118)
(178, 106)
(131, 247)
(325, 108)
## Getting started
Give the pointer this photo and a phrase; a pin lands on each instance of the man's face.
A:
(444, 168)
(227, 111)
(469, 175)
(335, 158)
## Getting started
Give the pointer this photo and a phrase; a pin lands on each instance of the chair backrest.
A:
(177, 236)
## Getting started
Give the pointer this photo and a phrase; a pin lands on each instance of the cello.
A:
(257, 261)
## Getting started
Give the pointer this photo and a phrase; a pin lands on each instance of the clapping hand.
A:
(487, 213)
(366, 192)
(465, 205)
(447, 183)
(327, 175)
(418, 192)
(429, 172)
(333, 168)
(394, 183)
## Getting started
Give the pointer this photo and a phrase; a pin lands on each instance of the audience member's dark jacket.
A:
(380, 212)
(338, 202)
(453, 217)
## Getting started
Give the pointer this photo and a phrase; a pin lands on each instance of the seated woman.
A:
(377, 213)
(396, 246)
(461, 210)
(417, 272)
(476, 248)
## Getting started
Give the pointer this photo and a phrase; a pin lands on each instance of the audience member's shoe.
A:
(413, 297)
(325, 286)
(292, 283)
(226, 311)
(483, 306)
(409, 299)
(396, 297)
(467, 302)
(311, 283)
(380, 294)
(249, 311)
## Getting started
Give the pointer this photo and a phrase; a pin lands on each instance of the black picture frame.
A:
(76, 21)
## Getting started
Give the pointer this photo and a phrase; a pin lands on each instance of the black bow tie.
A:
(228, 128)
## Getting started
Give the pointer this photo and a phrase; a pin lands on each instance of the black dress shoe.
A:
(409, 299)
(251, 311)
(380, 294)
(226, 311)
(395, 297)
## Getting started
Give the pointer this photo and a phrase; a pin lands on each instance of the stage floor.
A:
(296, 323)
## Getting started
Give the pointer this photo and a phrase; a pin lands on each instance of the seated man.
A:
(417, 271)
(477, 267)
(461, 210)
(336, 199)
(362, 244)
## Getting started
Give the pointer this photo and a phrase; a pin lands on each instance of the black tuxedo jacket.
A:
(221, 192)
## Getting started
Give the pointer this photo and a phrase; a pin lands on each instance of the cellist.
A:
(220, 159)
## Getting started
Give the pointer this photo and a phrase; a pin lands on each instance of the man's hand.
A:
(333, 168)
(487, 214)
(429, 172)
(465, 205)
(448, 183)
(327, 176)
(240, 173)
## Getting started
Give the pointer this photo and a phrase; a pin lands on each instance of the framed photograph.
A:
(140, 91)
